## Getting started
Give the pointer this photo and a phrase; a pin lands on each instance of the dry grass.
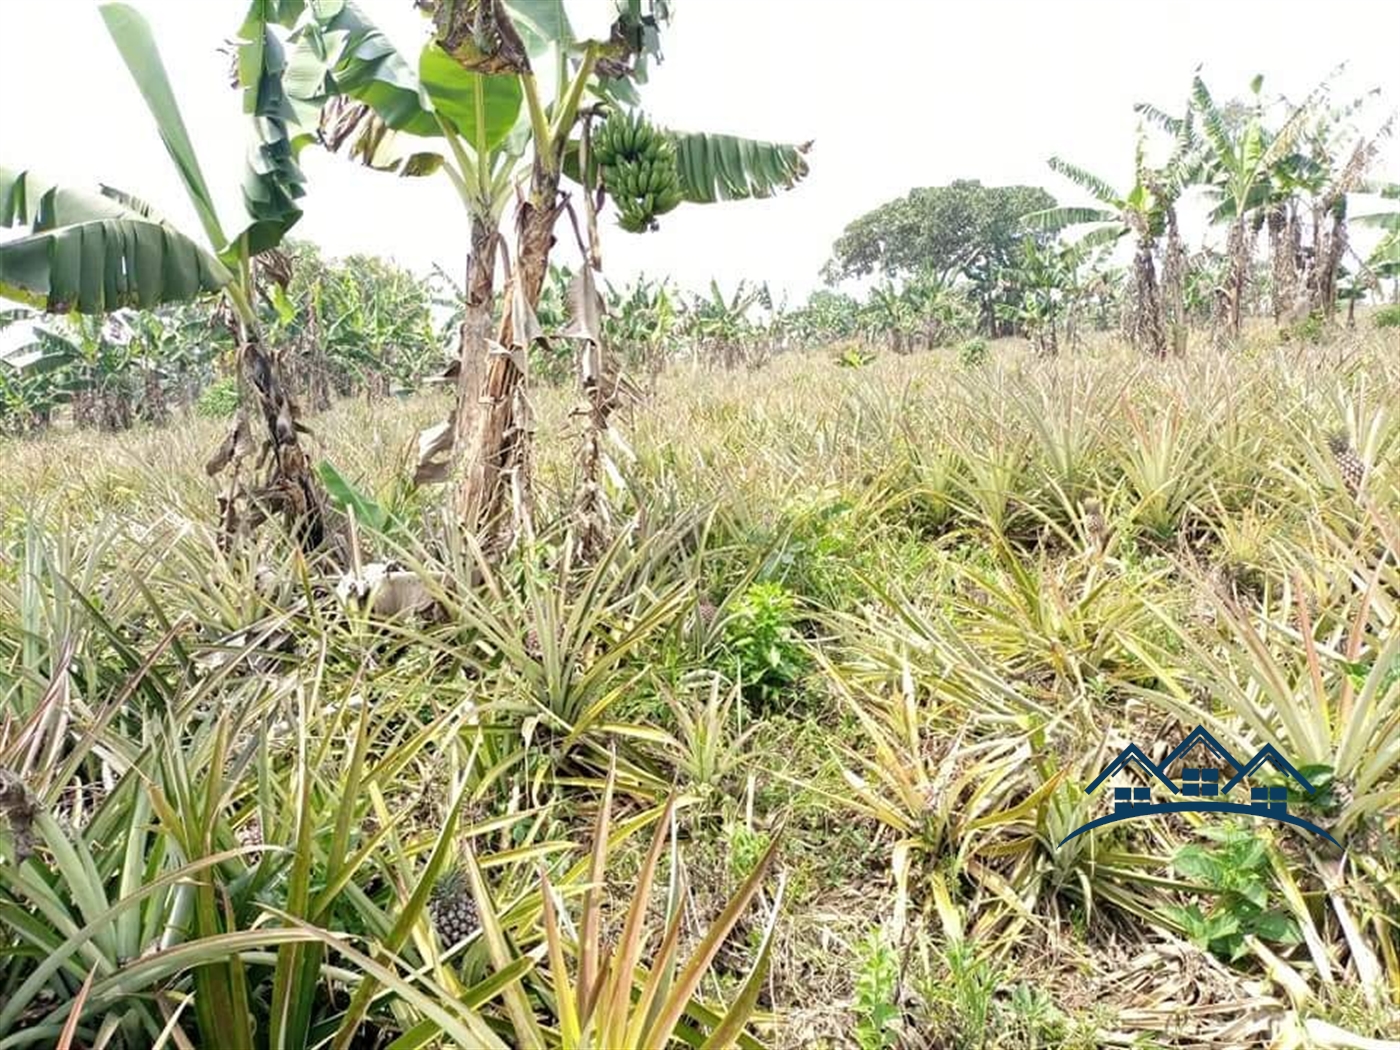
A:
(999, 575)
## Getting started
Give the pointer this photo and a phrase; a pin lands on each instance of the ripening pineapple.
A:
(452, 908)
(1352, 466)
(250, 833)
(705, 612)
(1095, 525)
(1343, 795)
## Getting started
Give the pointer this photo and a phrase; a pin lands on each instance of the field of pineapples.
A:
(788, 764)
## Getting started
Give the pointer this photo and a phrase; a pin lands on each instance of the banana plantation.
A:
(523, 654)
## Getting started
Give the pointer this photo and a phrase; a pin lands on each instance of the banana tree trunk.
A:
(84, 408)
(474, 367)
(1329, 263)
(1284, 254)
(1228, 296)
(508, 434)
(290, 487)
(1148, 330)
(1174, 287)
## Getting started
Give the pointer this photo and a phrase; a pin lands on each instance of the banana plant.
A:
(893, 315)
(721, 325)
(1384, 259)
(1240, 159)
(826, 317)
(1338, 156)
(31, 374)
(500, 100)
(1048, 278)
(97, 252)
(97, 360)
(1146, 211)
(639, 321)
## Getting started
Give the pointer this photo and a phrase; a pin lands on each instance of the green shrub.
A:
(853, 355)
(218, 400)
(1238, 873)
(972, 353)
(1387, 316)
(1309, 330)
(762, 637)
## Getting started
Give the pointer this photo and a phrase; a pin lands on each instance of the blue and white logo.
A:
(1201, 790)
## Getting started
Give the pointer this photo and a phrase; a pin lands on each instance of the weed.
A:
(1237, 872)
(1387, 316)
(877, 989)
(854, 356)
(219, 400)
(762, 638)
(972, 353)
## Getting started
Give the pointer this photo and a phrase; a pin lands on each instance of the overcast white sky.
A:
(895, 94)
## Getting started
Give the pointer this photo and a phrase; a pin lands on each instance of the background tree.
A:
(94, 253)
(826, 316)
(962, 230)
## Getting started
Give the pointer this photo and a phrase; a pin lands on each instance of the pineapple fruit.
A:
(1352, 466)
(452, 908)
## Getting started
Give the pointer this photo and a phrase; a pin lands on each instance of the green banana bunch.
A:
(637, 162)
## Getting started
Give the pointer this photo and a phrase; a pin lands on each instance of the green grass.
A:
(892, 618)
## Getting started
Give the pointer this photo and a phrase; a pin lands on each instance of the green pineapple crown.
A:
(451, 883)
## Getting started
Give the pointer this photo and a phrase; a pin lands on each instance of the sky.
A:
(893, 93)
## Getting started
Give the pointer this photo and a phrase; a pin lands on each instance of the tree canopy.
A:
(949, 229)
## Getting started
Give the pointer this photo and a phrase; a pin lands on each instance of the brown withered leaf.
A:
(355, 130)
(19, 808)
(480, 36)
(237, 444)
(516, 354)
(586, 308)
(435, 452)
(524, 324)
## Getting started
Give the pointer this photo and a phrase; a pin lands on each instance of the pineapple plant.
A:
(1352, 466)
(250, 833)
(1095, 524)
(452, 908)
